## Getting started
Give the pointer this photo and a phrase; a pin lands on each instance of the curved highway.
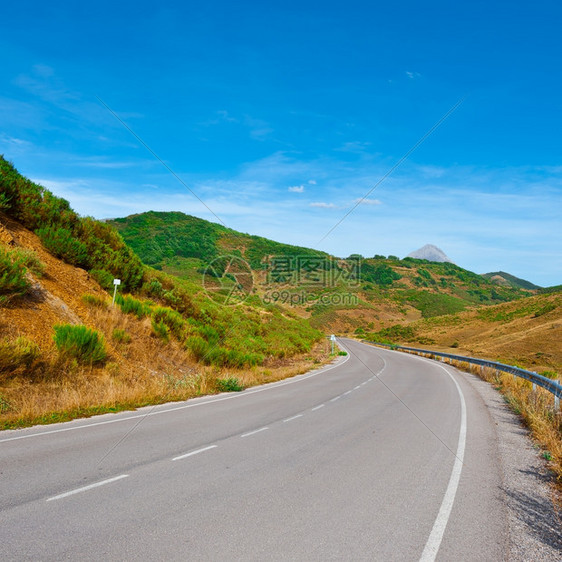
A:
(382, 456)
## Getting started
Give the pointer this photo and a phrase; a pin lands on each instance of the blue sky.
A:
(281, 116)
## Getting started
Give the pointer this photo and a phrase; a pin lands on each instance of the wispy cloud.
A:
(322, 205)
(296, 189)
(355, 147)
(484, 219)
(368, 201)
(259, 129)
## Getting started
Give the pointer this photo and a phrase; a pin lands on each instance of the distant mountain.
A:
(506, 280)
(430, 252)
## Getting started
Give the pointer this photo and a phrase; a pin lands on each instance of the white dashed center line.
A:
(194, 452)
(254, 432)
(293, 418)
(86, 488)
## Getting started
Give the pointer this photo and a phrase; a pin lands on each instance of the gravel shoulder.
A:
(534, 521)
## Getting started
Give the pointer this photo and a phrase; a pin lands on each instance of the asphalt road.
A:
(383, 456)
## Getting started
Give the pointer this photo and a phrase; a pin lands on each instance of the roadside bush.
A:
(104, 278)
(94, 300)
(153, 288)
(230, 384)
(198, 347)
(160, 330)
(17, 354)
(170, 318)
(80, 343)
(130, 305)
(62, 244)
(13, 281)
(121, 336)
(31, 260)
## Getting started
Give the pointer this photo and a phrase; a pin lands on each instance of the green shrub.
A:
(198, 347)
(62, 244)
(121, 336)
(231, 384)
(130, 305)
(94, 300)
(153, 288)
(13, 280)
(31, 260)
(545, 309)
(4, 202)
(5, 405)
(18, 353)
(171, 318)
(80, 343)
(104, 278)
(160, 330)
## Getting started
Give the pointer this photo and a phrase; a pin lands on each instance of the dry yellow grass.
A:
(140, 368)
(147, 372)
(536, 409)
(526, 332)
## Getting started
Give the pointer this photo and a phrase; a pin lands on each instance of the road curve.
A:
(383, 456)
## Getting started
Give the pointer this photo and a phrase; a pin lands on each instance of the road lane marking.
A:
(270, 386)
(86, 488)
(317, 408)
(438, 530)
(434, 541)
(194, 452)
(293, 418)
(254, 432)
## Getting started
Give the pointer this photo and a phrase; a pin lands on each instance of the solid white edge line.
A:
(436, 536)
(194, 452)
(293, 418)
(86, 488)
(254, 432)
(438, 530)
(270, 386)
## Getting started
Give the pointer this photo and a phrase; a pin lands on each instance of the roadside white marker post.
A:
(332, 339)
(116, 282)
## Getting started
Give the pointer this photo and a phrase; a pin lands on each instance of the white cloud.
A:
(365, 201)
(296, 188)
(322, 205)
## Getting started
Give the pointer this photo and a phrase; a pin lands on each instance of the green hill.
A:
(334, 292)
(224, 336)
(511, 280)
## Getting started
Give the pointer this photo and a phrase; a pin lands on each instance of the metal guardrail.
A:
(552, 386)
